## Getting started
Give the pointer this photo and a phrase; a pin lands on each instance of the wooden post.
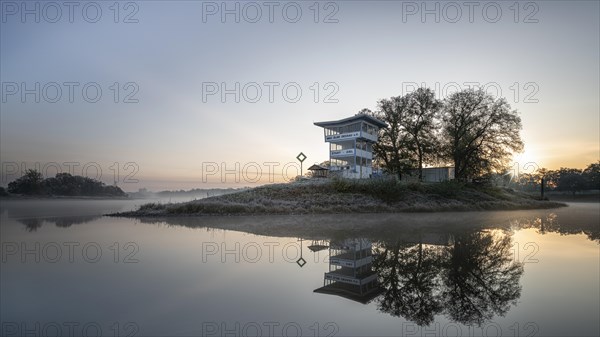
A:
(542, 188)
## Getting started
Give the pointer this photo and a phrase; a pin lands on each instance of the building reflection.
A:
(351, 273)
(318, 245)
(468, 276)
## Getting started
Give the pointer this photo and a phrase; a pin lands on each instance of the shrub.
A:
(152, 207)
(341, 185)
(388, 190)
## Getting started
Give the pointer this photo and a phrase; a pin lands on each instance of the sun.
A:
(528, 161)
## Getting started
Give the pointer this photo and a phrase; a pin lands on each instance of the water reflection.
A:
(459, 267)
(468, 276)
(402, 227)
(33, 224)
(479, 277)
(550, 224)
(351, 273)
(410, 275)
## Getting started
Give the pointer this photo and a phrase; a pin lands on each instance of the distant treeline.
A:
(564, 179)
(195, 192)
(63, 184)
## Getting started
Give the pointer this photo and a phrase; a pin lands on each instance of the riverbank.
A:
(569, 197)
(578, 218)
(331, 196)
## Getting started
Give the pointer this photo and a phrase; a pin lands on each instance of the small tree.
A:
(420, 124)
(392, 149)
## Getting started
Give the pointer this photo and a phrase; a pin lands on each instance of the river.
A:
(68, 270)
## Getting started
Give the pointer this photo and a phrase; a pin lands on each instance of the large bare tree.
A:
(480, 133)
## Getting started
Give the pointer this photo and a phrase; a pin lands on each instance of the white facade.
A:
(351, 145)
(431, 174)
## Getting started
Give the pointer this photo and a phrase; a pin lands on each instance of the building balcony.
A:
(350, 153)
(351, 245)
(342, 153)
(350, 263)
(349, 278)
(350, 135)
(351, 171)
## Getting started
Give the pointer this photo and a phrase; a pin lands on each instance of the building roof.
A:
(317, 248)
(354, 118)
(317, 167)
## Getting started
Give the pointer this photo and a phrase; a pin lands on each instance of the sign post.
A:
(301, 158)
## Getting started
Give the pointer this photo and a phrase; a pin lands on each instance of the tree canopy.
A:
(471, 130)
(392, 150)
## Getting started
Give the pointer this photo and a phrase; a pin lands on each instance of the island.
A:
(338, 195)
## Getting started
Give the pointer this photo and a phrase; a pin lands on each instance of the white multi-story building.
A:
(351, 144)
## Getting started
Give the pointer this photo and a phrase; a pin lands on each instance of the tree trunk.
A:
(420, 167)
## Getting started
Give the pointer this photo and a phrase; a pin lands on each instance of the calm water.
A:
(67, 270)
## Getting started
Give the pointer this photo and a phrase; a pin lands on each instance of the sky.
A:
(184, 94)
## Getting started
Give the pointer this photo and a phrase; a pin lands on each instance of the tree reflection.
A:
(470, 280)
(480, 277)
(33, 224)
(551, 224)
(409, 275)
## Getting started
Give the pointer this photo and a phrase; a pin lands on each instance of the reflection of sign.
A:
(343, 136)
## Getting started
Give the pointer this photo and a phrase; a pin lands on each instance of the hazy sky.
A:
(175, 57)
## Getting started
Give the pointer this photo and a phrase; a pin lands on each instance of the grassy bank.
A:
(351, 196)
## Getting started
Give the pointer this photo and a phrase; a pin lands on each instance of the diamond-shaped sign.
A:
(301, 157)
(301, 262)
